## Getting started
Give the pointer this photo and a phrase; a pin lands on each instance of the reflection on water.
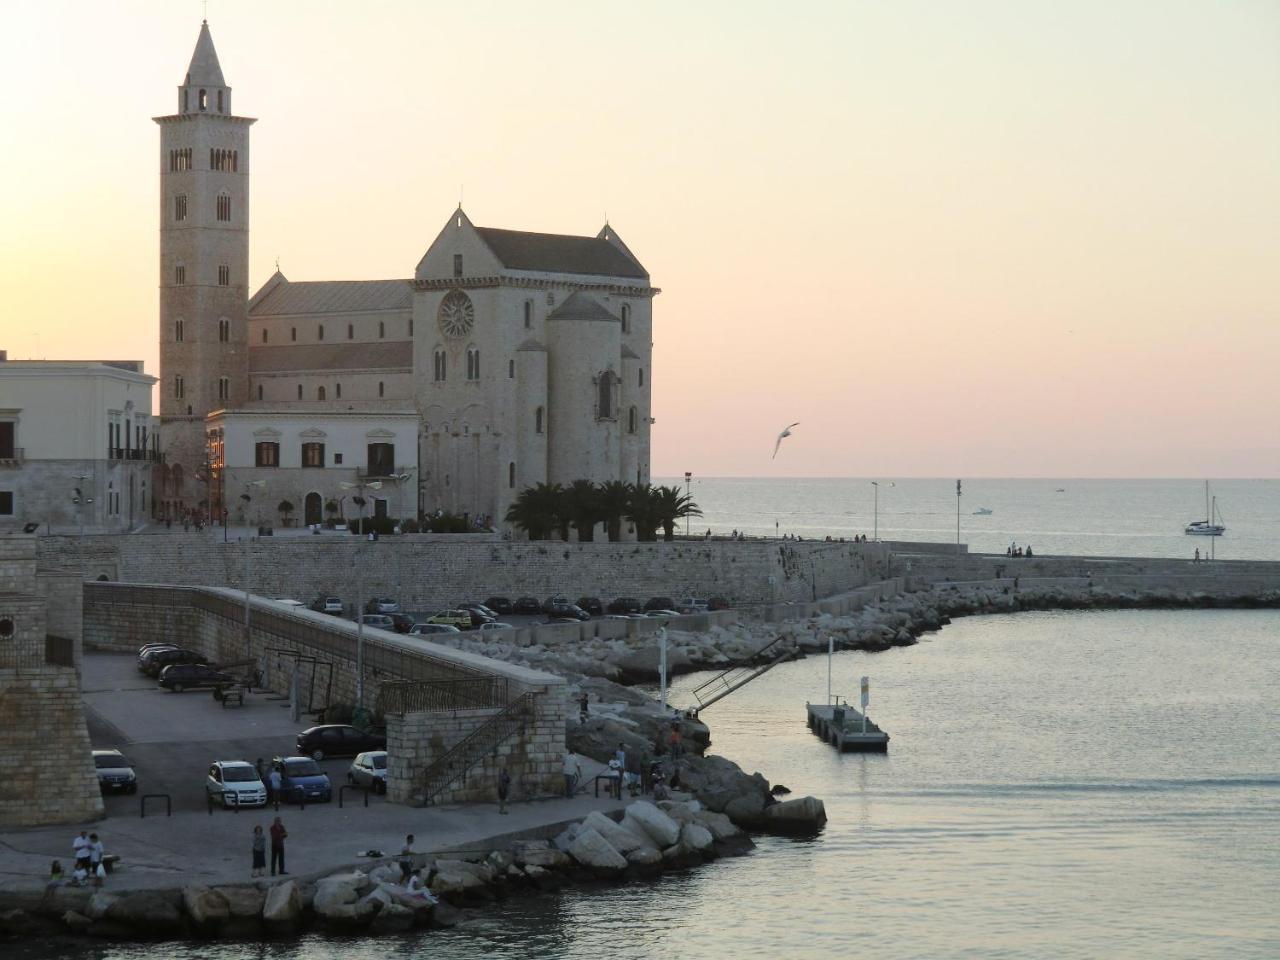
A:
(1081, 785)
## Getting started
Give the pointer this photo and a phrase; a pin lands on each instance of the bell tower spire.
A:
(204, 90)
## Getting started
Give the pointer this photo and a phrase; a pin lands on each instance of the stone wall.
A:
(431, 574)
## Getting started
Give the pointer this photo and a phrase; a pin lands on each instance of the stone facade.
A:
(41, 713)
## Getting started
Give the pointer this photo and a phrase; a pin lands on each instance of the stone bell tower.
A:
(204, 259)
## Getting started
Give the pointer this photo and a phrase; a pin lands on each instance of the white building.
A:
(77, 444)
(521, 357)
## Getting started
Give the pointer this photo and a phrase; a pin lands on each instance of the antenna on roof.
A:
(277, 263)
(205, 15)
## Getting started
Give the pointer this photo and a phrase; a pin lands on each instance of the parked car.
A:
(337, 740)
(454, 618)
(164, 658)
(369, 769)
(487, 627)
(659, 603)
(300, 778)
(552, 601)
(379, 620)
(191, 676)
(115, 775)
(289, 601)
(402, 622)
(500, 605)
(550, 620)
(566, 609)
(693, 605)
(426, 629)
(662, 613)
(528, 606)
(480, 608)
(718, 603)
(235, 783)
(329, 605)
(592, 605)
(155, 646)
(146, 653)
(625, 605)
(381, 605)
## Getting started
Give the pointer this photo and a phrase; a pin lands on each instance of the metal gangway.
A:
(741, 672)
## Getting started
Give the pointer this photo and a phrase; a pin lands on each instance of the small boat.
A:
(983, 512)
(1211, 525)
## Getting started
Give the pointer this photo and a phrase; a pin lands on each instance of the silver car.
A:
(379, 620)
(487, 627)
(369, 770)
(425, 629)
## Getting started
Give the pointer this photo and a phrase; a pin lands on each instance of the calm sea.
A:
(1141, 518)
(1073, 785)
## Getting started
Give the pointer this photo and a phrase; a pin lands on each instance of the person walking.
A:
(572, 773)
(504, 788)
(583, 710)
(259, 852)
(96, 869)
(278, 833)
(406, 859)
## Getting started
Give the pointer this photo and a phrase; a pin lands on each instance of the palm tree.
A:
(538, 510)
(672, 505)
(582, 508)
(614, 500)
(642, 510)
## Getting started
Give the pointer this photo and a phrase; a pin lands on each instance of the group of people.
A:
(1016, 551)
(277, 833)
(87, 852)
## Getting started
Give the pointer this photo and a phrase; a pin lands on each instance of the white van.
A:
(236, 783)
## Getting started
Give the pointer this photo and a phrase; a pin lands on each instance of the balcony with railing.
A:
(11, 457)
(133, 453)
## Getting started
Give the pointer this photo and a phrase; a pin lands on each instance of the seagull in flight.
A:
(777, 443)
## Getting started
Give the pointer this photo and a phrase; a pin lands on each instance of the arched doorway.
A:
(312, 507)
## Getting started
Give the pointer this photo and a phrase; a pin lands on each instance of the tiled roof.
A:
(581, 306)
(330, 296)
(558, 253)
(378, 355)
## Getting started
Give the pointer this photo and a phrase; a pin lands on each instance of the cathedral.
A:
(507, 359)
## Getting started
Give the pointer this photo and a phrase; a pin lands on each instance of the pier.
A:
(846, 728)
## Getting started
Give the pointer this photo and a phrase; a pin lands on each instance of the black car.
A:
(529, 606)
(477, 618)
(189, 676)
(167, 658)
(567, 611)
(402, 621)
(552, 601)
(625, 605)
(592, 605)
(337, 740)
(659, 603)
(500, 605)
(147, 652)
(479, 608)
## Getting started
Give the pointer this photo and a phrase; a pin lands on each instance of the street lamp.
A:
(79, 499)
(688, 495)
(247, 499)
(360, 485)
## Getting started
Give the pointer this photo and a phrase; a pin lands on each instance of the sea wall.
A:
(430, 574)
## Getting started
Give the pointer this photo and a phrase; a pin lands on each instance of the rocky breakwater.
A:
(647, 840)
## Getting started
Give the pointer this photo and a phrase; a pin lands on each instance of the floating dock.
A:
(846, 729)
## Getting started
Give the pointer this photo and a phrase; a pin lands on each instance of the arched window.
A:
(180, 207)
(264, 334)
(441, 366)
(382, 329)
(259, 391)
(537, 420)
(186, 105)
(337, 391)
(180, 274)
(179, 330)
(203, 100)
(631, 420)
(293, 333)
(473, 363)
(320, 332)
(224, 207)
(179, 388)
(626, 318)
(604, 396)
(642, 376)
(299, 391)
(528, 314)
(351, 331)
(319, 393)
(381, 388)
(224, 330)
(224, 388)
(511, 475)
(511, 369)
(220, 101)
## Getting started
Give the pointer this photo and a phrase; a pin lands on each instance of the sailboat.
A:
(1207, 527)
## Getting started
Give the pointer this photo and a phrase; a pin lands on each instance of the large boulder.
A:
(333, 892)
(645, 819)
(393, 918)
(696, 836)
(153, 915)
(460, 882)
(205, 906)
(805, 815)
(385, 873)
(99, 904)
(283, 906)
(592, 851)
(747, 809)
(539, 854)
(716, 781)
(618, 836)
(642, 665)
(349, 916)
(721, 826)
(599, 737)
(76, 922)
(244, 901)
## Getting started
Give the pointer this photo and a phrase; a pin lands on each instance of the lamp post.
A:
(80, 500)
(247, 500)
(360, 485)
(688, 495)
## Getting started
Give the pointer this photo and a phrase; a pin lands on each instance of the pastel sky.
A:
(989, 238)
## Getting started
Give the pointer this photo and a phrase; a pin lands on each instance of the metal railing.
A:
(441, 696)
(473, 748)
(11, 457)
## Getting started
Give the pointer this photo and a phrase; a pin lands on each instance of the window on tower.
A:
(320, 331)
(528, 314)
(511, 369)
(179, 388)
(180, 274)
(382, 329)
(441, 366)
(224, 331)
(473, 363)
(180, 207)
(313, 454)
(224, 275)
(178, 331)
(264, 334)
(457, 264)
(537, 420)
(351, 331)
(259, 391)
(337, 391)
(626, 318)
(224, 207)
(320, 393)
(382, 389)
(224, 388)
(203, 100)
(631, 420)
(220, 101)
(604, 396)
(511, 475)
(266, 454)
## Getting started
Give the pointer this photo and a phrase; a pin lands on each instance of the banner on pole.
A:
(866, 691)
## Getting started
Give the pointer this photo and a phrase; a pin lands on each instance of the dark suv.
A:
(337, 740)
(188, 676)
(500, 605)
(569, 611)
(592, 605)
(625, 605)
(528, 606)
(165, 658)
(659, 603)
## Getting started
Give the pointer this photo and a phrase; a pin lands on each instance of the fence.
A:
(442, 696)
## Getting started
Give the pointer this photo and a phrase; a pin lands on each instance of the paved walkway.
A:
(188, 847)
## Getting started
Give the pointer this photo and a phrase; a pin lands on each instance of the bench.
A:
(230, 695)
(109, 861)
